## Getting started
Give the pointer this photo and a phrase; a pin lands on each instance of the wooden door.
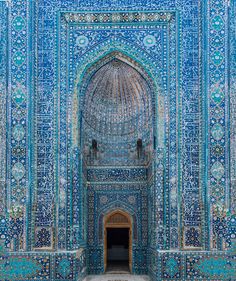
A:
(130, 250)
(105, 250)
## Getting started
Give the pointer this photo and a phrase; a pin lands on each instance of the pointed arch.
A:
(134, 57)
(118, 219)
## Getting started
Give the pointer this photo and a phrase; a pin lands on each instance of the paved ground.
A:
(117, 277)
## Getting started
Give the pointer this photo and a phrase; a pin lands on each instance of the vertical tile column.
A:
(174, 132)
(233, 105)
(3, 99)
(17, 127)
(45, 195)
(231, 220)
(218, 165)
(190, 86)
(3, 121)
(158, 237)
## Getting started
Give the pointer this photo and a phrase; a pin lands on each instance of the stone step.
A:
(116, 277)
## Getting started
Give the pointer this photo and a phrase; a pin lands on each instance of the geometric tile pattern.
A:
(107, 197)
(17, 111)
(3, 95)
(232, 89)
(55, 188)
(218, 102)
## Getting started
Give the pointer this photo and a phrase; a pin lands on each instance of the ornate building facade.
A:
(117, 111)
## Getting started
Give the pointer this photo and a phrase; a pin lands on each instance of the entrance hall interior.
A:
(117, 249)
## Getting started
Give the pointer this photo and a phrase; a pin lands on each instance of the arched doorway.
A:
(117, 241)
(116, 135)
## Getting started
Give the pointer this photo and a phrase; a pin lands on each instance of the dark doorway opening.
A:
(118, 250)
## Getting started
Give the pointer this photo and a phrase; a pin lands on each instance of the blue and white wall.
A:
(187, 48)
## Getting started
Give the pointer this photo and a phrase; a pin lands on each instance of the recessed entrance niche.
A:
(118, 242)
(117, 141)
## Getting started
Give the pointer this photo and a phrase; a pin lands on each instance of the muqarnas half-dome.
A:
(117, 106)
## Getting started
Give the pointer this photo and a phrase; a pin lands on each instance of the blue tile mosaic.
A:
(117, 105)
